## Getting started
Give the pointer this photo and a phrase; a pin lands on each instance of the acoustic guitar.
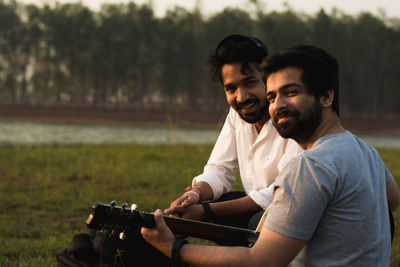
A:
(121, 219)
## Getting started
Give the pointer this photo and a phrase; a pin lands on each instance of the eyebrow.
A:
(283, 87)
(248, 77)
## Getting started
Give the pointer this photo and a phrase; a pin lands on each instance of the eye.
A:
(230, 89)
(292, 92)
(271, 98)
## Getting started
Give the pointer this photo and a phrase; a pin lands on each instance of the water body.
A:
(28, 133)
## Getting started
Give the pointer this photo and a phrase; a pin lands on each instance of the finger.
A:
(176, 210)
(180, 200)
(168, 211)
(159, 218)
(190, 201)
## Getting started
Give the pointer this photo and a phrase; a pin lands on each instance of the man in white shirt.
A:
(248, 143)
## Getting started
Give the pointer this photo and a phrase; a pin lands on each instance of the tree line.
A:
(124, 55)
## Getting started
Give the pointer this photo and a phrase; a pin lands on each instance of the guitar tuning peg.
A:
(134, 207)
(124, 205)
(122, 235)
(113, 203)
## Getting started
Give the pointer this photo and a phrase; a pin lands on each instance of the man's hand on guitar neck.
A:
(161, 237)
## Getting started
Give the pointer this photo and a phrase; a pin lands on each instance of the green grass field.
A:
(46, 192)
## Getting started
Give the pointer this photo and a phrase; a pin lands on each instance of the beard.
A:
(301, 125)
(258, 114)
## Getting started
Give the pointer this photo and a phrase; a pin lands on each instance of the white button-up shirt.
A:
(258, 157)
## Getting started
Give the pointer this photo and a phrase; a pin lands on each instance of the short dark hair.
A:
(236, 48)
(320, 69)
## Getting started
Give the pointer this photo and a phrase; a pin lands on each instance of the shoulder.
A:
(308, 163)
(343, 147)
(333, 146)
(345, 155)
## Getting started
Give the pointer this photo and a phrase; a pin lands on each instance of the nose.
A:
(278, 103)
(241, 95)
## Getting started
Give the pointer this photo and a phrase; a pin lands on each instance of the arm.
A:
(222, 166)
(392, 195)
(271, 249)
(235, 207)
(244, 205)
(254, 202)
(219, 173)
(223, 209)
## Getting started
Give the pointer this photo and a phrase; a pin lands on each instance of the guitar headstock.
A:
(117, 218)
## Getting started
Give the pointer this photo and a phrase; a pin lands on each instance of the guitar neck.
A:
(209, 231)
(120, 219)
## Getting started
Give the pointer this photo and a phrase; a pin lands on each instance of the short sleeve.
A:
(389, 177)
(302, 192)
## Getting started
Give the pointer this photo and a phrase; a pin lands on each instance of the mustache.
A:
(286, 113)
(245, 103)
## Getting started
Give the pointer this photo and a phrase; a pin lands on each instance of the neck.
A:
(330, 124)
(259, 124)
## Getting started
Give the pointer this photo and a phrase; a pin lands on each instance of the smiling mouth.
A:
(284, 119)
(247, 107)
(284, 116)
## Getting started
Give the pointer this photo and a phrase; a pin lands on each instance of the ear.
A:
(327, 98)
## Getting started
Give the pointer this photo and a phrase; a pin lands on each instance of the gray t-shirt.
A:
(334, 196)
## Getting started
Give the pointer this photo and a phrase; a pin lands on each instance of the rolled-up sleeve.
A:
(222, 166)
(263, 197)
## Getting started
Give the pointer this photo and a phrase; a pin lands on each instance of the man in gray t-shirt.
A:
(334, 196)
(331, 202)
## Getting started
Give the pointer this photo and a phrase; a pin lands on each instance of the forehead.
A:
(286, 76)
(237, 71)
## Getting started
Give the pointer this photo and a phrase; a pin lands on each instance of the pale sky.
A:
(352, 7)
